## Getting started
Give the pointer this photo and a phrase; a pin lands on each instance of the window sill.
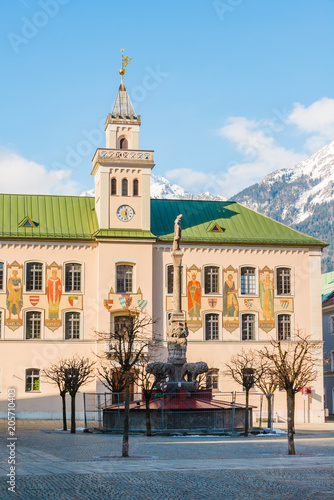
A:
(35, 392)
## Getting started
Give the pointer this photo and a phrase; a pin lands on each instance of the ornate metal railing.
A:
(123, 155)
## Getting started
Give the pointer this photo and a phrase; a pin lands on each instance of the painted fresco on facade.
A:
(230, 300)
(14, 296)
(53, 320)
(194, 296)
(118, 302)
(266, 287)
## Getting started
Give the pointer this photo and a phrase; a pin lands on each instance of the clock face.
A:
(125, 213)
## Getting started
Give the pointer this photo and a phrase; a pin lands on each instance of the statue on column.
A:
(177, 368)
(177, 233)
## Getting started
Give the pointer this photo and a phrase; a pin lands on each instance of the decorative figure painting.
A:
(14, 296)
(53, 292)
(266, 279)
(194, 293)
(230, 300)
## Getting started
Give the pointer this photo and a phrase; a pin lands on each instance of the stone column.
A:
(177, 269)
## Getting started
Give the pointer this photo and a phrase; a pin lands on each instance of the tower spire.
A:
(123, 105)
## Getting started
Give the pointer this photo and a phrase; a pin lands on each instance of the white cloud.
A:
(261, 156)
(21, 176)
(316, 119)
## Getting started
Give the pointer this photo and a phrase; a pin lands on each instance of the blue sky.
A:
(228, 90)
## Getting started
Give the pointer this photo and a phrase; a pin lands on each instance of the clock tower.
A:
(122, 171)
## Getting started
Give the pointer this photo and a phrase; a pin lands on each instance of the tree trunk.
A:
(73, 414)
(63, 398)
(246, 413)
(270, 415)
(148, 415)
(125, 444)
(290, 395)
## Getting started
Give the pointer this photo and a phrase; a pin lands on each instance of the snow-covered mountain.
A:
(301, 197)
(161, 188)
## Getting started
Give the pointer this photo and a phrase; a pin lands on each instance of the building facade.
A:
(328, 332)
(72, 266)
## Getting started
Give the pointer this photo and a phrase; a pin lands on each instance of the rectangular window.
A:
(212, 379)
(32, 380)
(331, 324)
(33, 324)
(121, 324)
(248, 285)
(2, 278)
(211, 327)
(170, 278)
(124, 279)
(73, 279)
(34, 277)
(211, 279)
(283, 327)
(283, 279)
(72, 325)
(248, 327)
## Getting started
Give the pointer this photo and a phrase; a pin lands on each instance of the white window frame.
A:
(81, 324)
(332, 362)
(74, 292)
(133, 265)
(184, 280)
(34, 292)
(256, 325)
(25, 380)
(220, 325)
(220, 280)
(214, 370)
(331, 323)
(4, 288)
(292, 324)
(2, 323)
(256, 294)
(292, 277)
(32, 309)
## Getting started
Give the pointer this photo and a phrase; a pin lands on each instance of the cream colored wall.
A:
(306, 310)
(149, 262)
(19, 354)
(140, 204)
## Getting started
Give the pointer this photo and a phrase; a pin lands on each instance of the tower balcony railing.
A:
(123, 156)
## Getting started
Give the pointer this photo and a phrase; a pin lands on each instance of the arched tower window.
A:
(135, 187)
(113, 186)
(124, 187)
(123, 143)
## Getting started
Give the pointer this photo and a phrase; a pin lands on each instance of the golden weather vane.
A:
(125, 61)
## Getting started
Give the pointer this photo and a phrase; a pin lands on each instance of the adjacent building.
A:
(328, 333)
(71, 266)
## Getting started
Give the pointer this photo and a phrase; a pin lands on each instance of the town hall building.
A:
(71, 266)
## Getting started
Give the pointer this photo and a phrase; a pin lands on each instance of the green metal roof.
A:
(74, 218)
(238, 224)
(54, 217)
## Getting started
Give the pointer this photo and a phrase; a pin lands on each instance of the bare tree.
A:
(127, 344)
(77, 372)
(267, 382)
(244, 370)
(293, 363)
(148, 383)
(56, 375)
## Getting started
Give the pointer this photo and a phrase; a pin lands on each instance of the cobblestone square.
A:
(55, 465)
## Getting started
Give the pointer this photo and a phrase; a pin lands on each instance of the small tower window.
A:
(124, 187)
(123, 143)
(113, 186)
(135, 187)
